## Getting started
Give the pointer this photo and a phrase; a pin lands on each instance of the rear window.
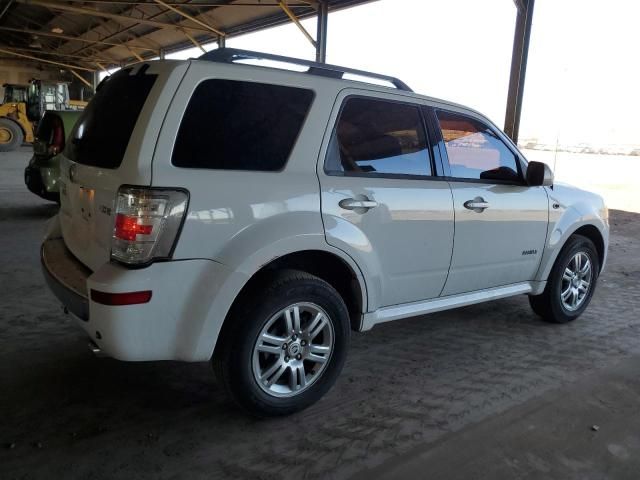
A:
(101, 134)
(235, 125)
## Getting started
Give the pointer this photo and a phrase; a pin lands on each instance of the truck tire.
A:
(571, 282)
(284, 345)
(11, 135)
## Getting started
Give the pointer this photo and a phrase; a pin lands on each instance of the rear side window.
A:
(379, 137)
(474, 150)
(233, 125)
(101, 134)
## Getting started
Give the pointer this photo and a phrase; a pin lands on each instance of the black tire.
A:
(11, 135)
(233, 358)
(549, 304)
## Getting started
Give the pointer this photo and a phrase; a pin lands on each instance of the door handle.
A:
(478, 204)
(355, 204)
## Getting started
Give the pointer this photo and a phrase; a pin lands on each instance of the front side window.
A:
(379, 137)
(234, 125)
(474, 150)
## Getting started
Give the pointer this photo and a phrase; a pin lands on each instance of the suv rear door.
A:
(381, 201)
(111, 145)
(501, 222)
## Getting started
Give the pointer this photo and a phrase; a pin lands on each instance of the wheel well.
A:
(593, 234)
(327, 266)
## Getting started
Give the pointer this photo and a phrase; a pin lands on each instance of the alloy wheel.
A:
(576, 281)
(293, 349)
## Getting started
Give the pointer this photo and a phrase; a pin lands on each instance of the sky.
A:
(583, 75)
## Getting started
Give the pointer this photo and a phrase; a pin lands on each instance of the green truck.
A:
(43, 171)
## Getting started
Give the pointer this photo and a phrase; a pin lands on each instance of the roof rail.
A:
(230, 55)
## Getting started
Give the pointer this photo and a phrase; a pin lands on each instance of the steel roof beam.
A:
(70, 38)
(202, 5)
(285, 8)
(113, 16)
(91, 59)
(31, 57)
(190, 17)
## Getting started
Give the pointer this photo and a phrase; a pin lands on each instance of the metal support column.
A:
(321, 34)
(222, 41)
(518, 67)
(161, 54)
(95, 80)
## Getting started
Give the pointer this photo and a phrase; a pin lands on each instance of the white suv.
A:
(213, 209)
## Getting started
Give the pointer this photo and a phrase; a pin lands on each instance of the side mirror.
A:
(539, 175)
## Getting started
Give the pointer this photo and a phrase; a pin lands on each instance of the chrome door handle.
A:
(478, 204)
(353, 204)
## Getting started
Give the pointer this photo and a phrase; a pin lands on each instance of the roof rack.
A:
(230, 55)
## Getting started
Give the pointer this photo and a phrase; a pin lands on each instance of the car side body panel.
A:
(570, 209)
(404, 244)
(242, 220)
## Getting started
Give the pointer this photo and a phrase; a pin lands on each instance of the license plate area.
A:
(86, 203)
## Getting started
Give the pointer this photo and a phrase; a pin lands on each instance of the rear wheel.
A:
(11, 136)
(285, 347)
(571, 282)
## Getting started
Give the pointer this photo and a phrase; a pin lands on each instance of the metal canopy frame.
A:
(124, 32)
(519, 58)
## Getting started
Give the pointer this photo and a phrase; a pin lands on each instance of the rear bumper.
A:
(66, 277)
(190, 299)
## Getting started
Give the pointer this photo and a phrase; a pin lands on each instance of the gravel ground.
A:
(409, 387)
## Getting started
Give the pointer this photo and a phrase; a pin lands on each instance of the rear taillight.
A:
(147, 223)
(57, 137)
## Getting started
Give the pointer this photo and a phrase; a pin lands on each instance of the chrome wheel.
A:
(576, 281)
(293, 349)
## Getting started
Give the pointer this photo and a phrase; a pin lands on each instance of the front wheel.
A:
(284, 347)
(571, 282)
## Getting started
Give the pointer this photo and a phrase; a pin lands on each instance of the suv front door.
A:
(500, 222)
(381, 202)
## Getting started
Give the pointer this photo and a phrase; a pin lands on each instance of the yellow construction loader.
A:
(24, 105)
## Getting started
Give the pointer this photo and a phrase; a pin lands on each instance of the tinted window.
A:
(101, 134)
(474, 151)
(240, 125)
(375, 136)
(49, 127)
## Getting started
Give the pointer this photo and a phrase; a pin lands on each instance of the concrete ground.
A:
(487, 391)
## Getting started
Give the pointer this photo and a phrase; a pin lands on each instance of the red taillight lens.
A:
(128, 298)
(57, 137)
(128, 228)
(147, 223)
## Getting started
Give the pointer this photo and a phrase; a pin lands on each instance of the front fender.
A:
(569, 210)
